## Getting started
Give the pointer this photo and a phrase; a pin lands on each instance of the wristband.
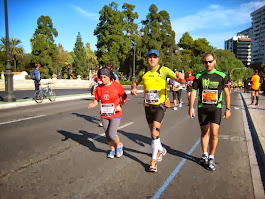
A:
(227, 109)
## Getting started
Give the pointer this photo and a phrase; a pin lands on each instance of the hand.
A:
(180, 77)
(91, 105)
(134, 91)
(227, 114)
(118, 108)
(191, 113)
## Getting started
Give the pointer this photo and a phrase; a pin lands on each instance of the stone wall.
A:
(28, 84)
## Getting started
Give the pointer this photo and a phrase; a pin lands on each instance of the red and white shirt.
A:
(110, 98)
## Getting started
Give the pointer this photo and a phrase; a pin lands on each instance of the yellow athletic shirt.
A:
(153, 81)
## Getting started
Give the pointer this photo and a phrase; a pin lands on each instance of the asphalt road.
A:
(56, 150)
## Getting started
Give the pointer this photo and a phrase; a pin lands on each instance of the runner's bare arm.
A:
(227, 102)
(134, 88)
(191, 104)
(93, 104)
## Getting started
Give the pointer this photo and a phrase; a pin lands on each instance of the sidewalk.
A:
(257, 122)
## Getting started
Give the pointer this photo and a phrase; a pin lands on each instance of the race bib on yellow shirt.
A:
(151, 96)
(210, 96)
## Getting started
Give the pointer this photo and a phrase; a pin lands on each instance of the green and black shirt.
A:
(210, 86)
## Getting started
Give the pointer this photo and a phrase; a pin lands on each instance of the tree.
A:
(67, 71)
(201, 46)
(61, 59)
(80, 66)
(167, 35)
(15, 49)
(186, 41)
(131, 40)
(91, 58)
(109, 32)
(44, 50)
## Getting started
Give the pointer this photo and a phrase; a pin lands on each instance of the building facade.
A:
(241, 46)
(258, 37)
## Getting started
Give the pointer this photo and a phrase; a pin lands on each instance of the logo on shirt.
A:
(106, 96)
(206, 84)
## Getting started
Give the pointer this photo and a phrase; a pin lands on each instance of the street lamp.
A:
(134, 48)
(9, 94)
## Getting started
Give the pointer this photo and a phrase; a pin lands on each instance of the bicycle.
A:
(44, 93)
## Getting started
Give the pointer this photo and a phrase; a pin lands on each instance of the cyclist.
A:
(211, 84)
(37, 78)
(112, 96)
(155, 98)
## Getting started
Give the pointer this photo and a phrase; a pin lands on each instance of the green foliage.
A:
(44, 50)
(109, 32)
(16, 51)
(80, 66)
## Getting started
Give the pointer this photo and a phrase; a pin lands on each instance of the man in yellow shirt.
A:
(155, 98)
(255, 82)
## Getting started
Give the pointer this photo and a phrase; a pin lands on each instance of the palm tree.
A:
(16, 50)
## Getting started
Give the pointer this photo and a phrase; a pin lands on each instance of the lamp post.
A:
(9, 94)
(134, 49)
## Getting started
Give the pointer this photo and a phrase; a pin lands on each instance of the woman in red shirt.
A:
(112, 96)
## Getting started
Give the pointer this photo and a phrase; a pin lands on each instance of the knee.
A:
(112, 137)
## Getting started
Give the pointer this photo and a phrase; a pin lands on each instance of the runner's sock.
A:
(211, 157)
(155, 148)
(205, 153)
(257, 99)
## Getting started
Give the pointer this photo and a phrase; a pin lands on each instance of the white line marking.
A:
(174, 173)
(102, 134)
(28, 118)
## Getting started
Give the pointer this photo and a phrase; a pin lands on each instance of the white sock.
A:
(156, 145)
(211, 156)
(205, 153)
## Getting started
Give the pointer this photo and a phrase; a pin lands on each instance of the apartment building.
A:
(258, 37)
(240, 45)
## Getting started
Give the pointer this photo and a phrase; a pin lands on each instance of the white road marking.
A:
(28, 118)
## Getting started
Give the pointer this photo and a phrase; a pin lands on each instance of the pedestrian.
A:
(37, 78)
(189, 81)
(211, 84)
(110, 66)
(255, 83)
(112, 97)
(155, 100)
(176, 88)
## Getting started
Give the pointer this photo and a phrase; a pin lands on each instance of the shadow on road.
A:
(88, 118)
(141, 140)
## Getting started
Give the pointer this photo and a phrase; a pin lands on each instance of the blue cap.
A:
(153, 52)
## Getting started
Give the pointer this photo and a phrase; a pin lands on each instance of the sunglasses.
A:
(206, 62)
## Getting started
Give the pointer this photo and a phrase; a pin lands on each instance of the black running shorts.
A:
(208, 115)
(154, 113)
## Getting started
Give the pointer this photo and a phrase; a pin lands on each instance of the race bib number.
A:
(210, 96)
(151, 96)
(107, 109)
(176, 88)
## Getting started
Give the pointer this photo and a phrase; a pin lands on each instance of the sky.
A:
(215, 20)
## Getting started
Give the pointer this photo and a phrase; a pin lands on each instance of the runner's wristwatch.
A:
(227, 109)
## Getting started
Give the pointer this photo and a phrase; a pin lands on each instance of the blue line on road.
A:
(174, 173)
